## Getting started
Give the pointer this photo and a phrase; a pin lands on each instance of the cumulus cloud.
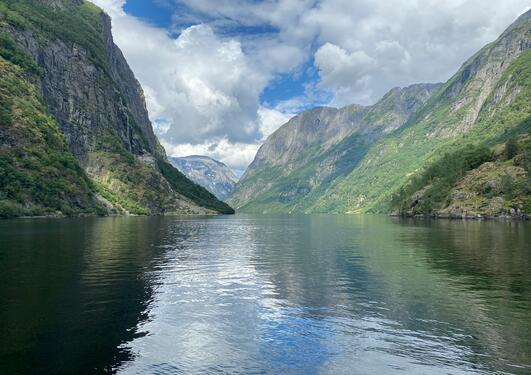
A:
(363, 48)
(203, 87)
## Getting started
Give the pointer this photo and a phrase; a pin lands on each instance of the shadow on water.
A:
(72, 291)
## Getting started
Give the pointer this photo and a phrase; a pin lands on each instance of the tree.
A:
(511, 148)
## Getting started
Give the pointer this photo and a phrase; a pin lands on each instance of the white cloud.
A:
(366, 47)
(236, 155)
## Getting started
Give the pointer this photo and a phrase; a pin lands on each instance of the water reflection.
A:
(265, 294)
(72, 291)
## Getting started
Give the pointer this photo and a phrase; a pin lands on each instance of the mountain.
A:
(302, 158)
(484, 104)
(75, 137)
(211, 174)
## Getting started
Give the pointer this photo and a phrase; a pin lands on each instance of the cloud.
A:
(203, 87)
(363, 48)
(236, 155)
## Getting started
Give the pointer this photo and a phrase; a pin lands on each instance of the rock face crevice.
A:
(129, 86)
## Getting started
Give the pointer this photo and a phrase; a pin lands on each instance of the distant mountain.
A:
(75, 136)
(487, 102)
(211, 174)
(302, 158)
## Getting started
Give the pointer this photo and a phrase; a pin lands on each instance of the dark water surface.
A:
(264, 294)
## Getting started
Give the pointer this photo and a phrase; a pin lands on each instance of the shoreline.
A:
(62, 216)
(477, 217)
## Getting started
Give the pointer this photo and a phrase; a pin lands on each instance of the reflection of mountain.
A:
(246, 294)
(471, 275)
(68, 303)
(424, 280)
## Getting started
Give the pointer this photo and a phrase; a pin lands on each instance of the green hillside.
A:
(38, 175)
(472, 181)
(304, 157)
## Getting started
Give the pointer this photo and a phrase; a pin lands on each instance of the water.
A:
(264, 294)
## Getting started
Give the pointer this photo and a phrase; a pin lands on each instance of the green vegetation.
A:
(10, 52)
(472, 180)
(38, 175)
(438, 129)
(74, 24)
(439, 178)
(511, 148)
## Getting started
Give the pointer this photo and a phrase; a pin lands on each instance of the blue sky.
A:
(281, 88)
(221, 75)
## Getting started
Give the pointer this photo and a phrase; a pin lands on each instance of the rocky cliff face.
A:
(211, 174)
(90, 90)
(314, 148)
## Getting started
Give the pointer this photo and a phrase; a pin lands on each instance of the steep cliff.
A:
(303, 157)
(88, 88)
(211, 174)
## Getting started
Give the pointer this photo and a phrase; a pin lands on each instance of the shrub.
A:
(439, 177)
(9, 209)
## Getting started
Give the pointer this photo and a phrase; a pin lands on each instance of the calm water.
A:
(264, 294)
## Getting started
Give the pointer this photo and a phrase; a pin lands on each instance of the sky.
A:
(220, 76)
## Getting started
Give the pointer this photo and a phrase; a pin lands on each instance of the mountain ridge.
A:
(325, 135)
